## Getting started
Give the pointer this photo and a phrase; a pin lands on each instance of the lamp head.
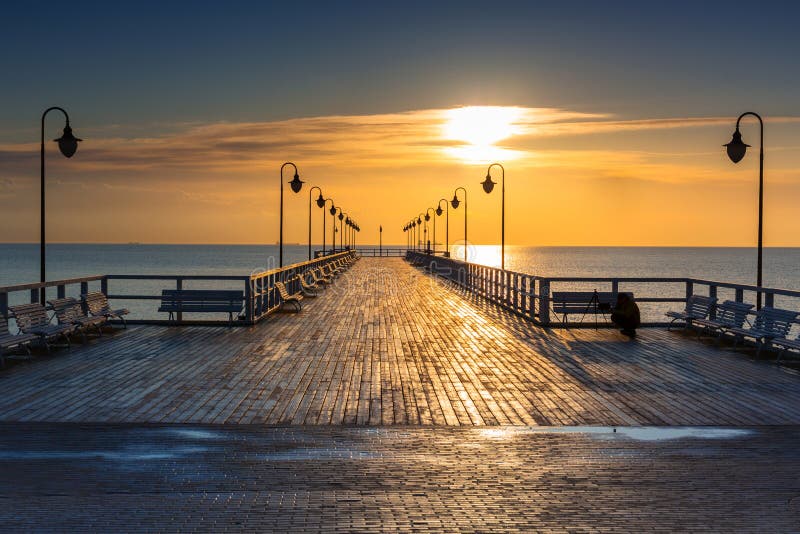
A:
(438, 210)
(68, 143)
(413, 224)
(737, 147)
(320, 200)
(296, 183)
(455, 202)
(488, 184)
(427, 216)
(333, 210)
(419, 221)
(341, 215)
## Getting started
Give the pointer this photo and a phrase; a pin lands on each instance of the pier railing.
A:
(530, 295)
(260, 294)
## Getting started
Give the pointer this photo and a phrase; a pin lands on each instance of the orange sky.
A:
(571, 179)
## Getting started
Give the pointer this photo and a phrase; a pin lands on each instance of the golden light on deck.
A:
(479, 128)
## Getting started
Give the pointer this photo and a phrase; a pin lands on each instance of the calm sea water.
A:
(19, 264)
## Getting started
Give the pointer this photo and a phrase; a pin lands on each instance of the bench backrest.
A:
(775, 321)
(192, 297)
(699, 305)
(96, 302)
(304, 283)
(281, 287)
(29, 316)
(583, 298)
(733, 314)
(67, 310)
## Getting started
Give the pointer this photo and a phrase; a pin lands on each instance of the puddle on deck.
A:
(639, 433)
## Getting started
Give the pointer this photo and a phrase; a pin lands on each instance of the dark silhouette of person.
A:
(626, 315)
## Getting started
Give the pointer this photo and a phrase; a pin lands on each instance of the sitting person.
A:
(626, 315)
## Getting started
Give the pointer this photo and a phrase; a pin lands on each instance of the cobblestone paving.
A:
(71, 477)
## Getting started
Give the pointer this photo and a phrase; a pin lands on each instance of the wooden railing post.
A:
(249, 304)
(4, 304)
(104, 285)
(35, 296)
(61, 291)
(689, 289)
(769, 299)
(544, 302)
(179, 286)
(739, 294)
(712, 292)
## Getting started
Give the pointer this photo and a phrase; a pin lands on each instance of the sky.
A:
(609, 118)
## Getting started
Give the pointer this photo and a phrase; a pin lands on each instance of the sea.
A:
(19, 264)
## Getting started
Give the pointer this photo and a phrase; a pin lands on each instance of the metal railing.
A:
(377, 252)
(260, 294)
(529, 295)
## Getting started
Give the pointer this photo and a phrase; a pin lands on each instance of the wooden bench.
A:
(69, 312)
(33, 319)
(287, 298)
(771, 323)
(97, 305)
(697, 307)
(584, 302)
(201, 301)
(10, 341)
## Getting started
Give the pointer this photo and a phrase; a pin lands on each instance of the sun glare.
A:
(479, 128)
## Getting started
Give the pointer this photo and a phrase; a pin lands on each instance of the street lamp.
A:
(341, 228)
(67, 144)
(333, 212)
(456, 203)
(427, 218)
(736, 150)
(446, 224)
(320, 203)
(296, 185)
(488, 186)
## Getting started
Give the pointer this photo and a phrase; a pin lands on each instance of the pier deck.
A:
(389, 345)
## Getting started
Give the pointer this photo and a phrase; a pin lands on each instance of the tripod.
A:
(595, 306)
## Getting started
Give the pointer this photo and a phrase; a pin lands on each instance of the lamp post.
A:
(380, 241)
(67, 145)
(488, 186)
(456, 203)
(428, 218)
(736, 149)
(341, 229)
(333, 212)
(424, 228)
(413, 234)
(320, 203)
(446, 224)
(296, 184)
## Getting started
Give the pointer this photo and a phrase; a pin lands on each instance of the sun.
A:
(479, 128)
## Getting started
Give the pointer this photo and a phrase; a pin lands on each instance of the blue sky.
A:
(118, 63)
(188, 109)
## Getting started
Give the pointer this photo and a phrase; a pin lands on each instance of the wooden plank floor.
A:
(390, 345)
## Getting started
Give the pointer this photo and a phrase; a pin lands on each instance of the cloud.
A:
(196, 153)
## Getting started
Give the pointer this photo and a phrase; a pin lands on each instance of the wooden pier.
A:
(390, 345)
